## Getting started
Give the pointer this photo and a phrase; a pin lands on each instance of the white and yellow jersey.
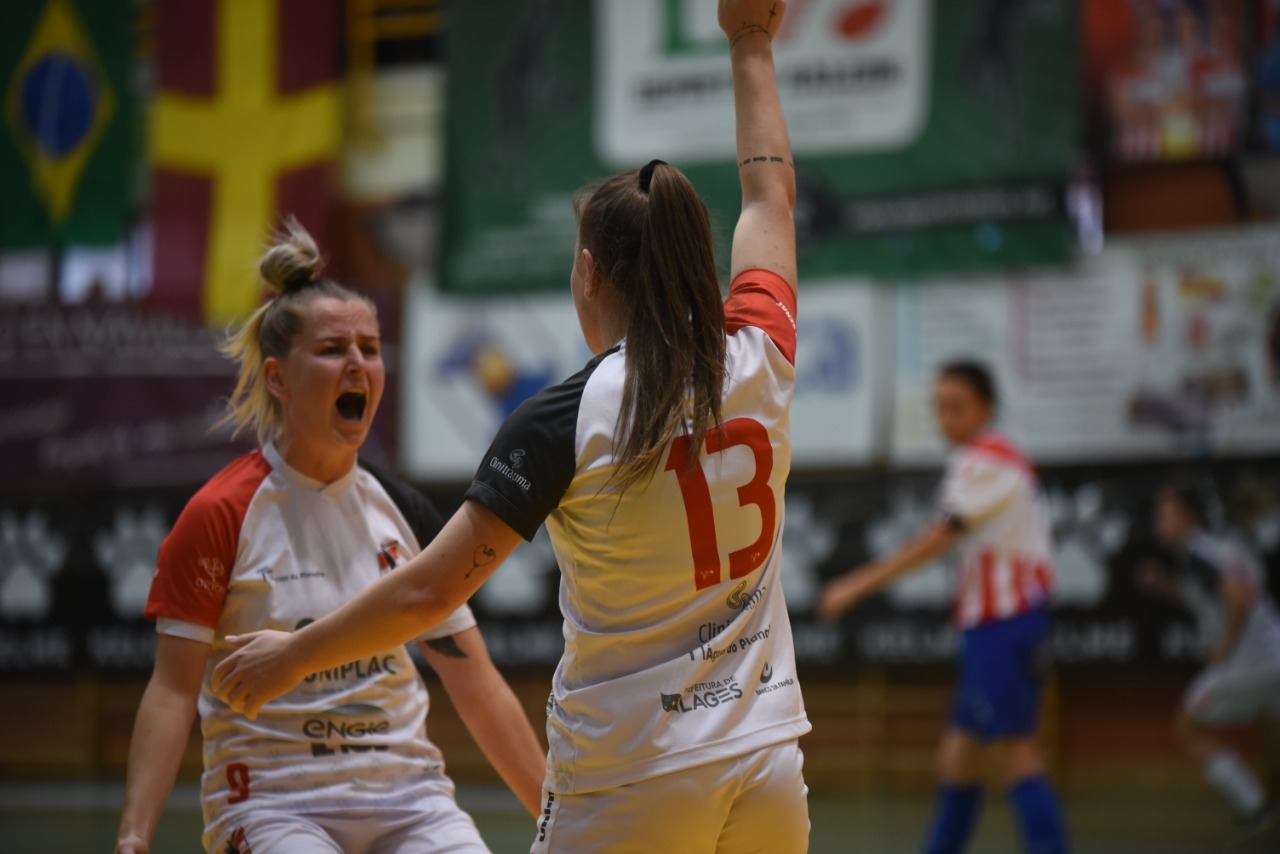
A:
(262, 546)
(678, 647)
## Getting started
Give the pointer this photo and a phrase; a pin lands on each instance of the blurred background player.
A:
(1224, 589)
(278, 538)
(660, 472)
(991, 508)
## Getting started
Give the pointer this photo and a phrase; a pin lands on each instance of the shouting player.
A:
(1225, 590)
(279, 538)
(991, 508)
(659, 470)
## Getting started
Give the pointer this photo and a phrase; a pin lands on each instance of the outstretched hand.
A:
(841, 594)
(739, 18)
(261, 669)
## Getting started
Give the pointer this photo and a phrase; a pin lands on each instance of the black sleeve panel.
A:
(532, 460)
(423, 518)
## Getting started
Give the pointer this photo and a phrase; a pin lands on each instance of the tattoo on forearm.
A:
(447, 646)
(748, 29)
(770, 158)
(480, 558)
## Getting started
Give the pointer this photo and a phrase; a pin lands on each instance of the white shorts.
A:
(1229, 694)
(751, 804)
(442, 828)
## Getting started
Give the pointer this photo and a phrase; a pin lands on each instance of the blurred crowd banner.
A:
(927, 135)
(75, 571)
(1170, 80)
(67, 122)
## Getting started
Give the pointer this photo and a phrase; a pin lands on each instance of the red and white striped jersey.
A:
(262, 546)
(1006, 554)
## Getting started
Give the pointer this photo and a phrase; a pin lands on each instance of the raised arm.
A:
(765, 236)
(160, 734)
(393, 610)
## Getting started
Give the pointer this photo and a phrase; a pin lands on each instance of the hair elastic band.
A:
(646, 173)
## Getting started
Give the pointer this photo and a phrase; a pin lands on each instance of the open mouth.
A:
(351, 405)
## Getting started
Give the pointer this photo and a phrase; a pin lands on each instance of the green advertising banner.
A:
(66, 123)
(928, 136)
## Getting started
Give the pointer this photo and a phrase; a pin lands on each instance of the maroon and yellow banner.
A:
(245, 128)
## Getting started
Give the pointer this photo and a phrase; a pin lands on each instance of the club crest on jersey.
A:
(388, 556)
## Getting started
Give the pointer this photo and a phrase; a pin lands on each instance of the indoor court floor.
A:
(53, 819)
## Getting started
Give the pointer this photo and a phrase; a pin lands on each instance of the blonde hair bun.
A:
(293, 261)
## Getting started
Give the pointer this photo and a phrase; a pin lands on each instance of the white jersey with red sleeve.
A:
(678, 647)
(991, 493)
(262, 546)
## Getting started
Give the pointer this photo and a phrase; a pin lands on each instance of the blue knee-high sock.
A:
(953, 819)
(1039, 816)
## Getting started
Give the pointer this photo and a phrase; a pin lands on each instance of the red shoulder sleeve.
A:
(196, 558)
(764, 300)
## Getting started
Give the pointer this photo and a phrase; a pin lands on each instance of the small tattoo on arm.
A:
(447, 646)
(771, 158)
(746, 30)
(481, 557)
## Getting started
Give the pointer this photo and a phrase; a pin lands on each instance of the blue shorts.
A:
(1003, 667)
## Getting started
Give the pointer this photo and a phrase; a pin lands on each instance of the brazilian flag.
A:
(67, 125)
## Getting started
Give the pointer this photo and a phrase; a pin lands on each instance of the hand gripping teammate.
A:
(659, 470)
(991, 508)
(1224, 588)
(279, 538)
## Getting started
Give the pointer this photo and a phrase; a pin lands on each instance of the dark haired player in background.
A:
(1224, 588)
(991, 509)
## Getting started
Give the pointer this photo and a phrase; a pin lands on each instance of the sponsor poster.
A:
(469, 363)
(1153, 349)
(926, 135)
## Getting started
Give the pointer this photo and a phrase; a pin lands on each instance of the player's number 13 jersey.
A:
(678, 647)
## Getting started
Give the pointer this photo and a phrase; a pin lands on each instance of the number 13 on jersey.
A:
(698, 509)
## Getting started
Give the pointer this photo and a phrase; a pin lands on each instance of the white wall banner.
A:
(468, 363)
(854, 77)
(1153, 349)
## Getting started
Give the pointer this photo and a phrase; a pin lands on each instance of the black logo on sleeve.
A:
(767, 673)
(509, 471)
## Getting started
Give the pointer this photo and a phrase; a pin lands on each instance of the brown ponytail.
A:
(650, 237)
(291, 267)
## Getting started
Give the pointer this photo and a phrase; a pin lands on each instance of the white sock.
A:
(1234, 781)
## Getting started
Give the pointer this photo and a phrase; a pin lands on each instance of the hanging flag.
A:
(245, 128)
(65, 137)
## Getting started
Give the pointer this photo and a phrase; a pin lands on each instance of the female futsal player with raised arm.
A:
(281, 537)
(991, 507)
(659, 470)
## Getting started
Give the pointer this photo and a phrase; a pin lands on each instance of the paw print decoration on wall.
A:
(126, 553)
(30, 556)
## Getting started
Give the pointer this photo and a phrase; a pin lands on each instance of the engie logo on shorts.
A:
(703, 695)
(854, 75)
